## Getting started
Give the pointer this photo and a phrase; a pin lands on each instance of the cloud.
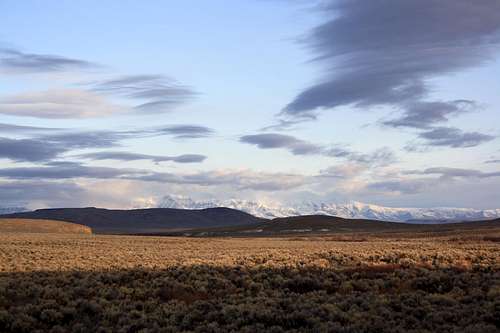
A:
(57, 104)
(11, 128)
(379, 157)
(343, 171)
(300, 147)
(68, 172)
(153, 93)
(16, 62)
(41, 193)
(492, 161)
(282, 125)
(184, 131)
(446, 172)
(86, 139)
(126, 156)
(239, 179)
(401, 186)
(444, 177)
(26, 150)
(274, 140)
(43, 147)
(453, 137)
(382, 52)
(424, 114)
(156, 93)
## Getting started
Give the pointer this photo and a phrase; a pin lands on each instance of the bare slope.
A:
(320, 224)
(109, 221)
(42, 226)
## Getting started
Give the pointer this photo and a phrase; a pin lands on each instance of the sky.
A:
(119, 103)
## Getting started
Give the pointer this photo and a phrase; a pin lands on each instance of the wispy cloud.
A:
(58, 104)
(447, 172)
(45, 144)
(24, 150)
(16, 62)
(453, 137)
(127, 156)
(185, 131)
(156, 93)
(301, 147)
(425, 114)
(12, 128)
(239, 179)
(291, 143)
(382, 52)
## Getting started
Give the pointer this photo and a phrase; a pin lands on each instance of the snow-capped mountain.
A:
(346, 210)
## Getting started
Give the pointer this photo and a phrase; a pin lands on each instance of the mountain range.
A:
(139, 221)
(351, 210)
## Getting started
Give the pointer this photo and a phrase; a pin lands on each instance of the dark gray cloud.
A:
(126, 156)
(27, 150)
(300, 147)
(492, 161)
(382, 51)
(14, 61)
(291, 143)
(453, 137)
(424, 114)
(156, 93)
(44, 147)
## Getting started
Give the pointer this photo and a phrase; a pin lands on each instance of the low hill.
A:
(41, 226)
(154, 220)
(321, 224)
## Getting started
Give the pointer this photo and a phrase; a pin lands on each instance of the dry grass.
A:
(82, 283)
(41, 226)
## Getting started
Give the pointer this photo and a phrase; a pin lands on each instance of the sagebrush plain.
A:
(398, 283)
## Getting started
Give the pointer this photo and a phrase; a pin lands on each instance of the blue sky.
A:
(119, 103)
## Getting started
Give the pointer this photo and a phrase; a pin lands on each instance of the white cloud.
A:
(58, 103)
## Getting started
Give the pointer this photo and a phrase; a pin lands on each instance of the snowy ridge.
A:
(347, 210)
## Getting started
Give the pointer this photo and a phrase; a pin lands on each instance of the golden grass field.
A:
(85, 283)
(41, 226)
